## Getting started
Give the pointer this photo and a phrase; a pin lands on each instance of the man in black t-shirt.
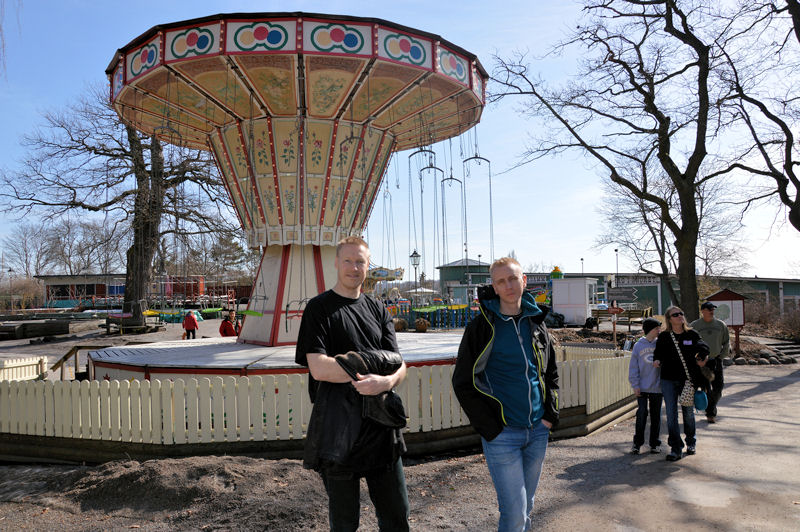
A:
(341, 444)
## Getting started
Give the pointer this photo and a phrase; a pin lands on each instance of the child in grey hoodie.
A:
(646, 382)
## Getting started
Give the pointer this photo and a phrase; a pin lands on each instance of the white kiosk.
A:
(574, 297)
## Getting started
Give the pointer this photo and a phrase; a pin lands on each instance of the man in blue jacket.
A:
(506, 380)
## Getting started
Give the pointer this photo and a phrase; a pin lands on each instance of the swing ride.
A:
(302, 113)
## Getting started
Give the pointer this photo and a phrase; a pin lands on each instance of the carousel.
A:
(302, 113)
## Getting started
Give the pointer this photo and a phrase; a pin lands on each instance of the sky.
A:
(546, 212)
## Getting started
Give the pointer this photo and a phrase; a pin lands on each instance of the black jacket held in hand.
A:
(485, 411)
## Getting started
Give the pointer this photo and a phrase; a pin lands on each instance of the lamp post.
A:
(10, 290)
(616, 282)
(479, 264)
(581, 266)
(415, 262)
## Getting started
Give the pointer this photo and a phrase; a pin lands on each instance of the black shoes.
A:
(690, 449)
(673, 456)
(635, 449)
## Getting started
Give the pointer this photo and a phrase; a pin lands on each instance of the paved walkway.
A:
(745, 475)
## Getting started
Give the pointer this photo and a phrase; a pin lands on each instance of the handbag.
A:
(686, 398)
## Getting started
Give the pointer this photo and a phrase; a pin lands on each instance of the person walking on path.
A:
(715, 333)
(230, 326)
(342, 443)
(678, 342)
(190, 324)
(506, 380)
(645, 380)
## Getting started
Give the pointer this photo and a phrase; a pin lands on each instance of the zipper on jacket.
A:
(491, 341)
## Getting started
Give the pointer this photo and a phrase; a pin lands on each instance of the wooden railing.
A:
(22, 369)
(256, 408)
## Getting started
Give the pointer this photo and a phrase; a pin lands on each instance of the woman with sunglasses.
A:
(673, 375)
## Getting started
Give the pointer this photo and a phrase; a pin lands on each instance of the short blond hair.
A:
(504, 261)
(352, 241)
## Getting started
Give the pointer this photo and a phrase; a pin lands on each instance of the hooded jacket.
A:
(484, 409)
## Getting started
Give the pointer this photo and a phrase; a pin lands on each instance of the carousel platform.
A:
(206, 357)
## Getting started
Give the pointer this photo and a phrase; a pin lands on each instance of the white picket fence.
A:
(22, 369)
(571, 352)
(255, 408)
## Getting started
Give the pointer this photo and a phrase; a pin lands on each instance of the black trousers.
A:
(716, 386)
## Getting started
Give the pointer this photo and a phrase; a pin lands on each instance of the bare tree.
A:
(641, 107)
(636, 226)
(27, 251)
(765, 96)
(86, 160)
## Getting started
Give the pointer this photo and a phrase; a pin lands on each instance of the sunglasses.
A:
(676, 315)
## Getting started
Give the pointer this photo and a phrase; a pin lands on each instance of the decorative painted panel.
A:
(117, 82)
(257, 139)
(318, 144)
(328, 82)
(192, 42)
(166, 86)
(274, 77)
(143, 59)
(289, 200)
(453, 66)
(213, 76)
(477, 83)
(313, 199)
(385, 82)
(404, 48)
(269, 198)
(285, 134)
(260, 36)
(337, 38)
(346, 144)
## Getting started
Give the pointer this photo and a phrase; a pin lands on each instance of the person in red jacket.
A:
(230, 326)
(190, 324)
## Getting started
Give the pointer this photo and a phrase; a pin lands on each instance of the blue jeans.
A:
(387, 490)
(653, 402)
(515, 459)
(671, 391)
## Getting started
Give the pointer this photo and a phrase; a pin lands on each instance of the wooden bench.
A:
(630, 316)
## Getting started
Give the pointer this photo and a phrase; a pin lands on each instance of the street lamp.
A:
(10, 290)
(581, 266)
(616, 252)
(415, 262)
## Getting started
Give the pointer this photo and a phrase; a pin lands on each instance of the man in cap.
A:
(715, 333)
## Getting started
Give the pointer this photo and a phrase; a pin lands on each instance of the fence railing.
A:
(22, 369)
(255, 408)
(571, 352)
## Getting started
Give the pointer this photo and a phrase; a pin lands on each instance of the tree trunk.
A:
(148, 208)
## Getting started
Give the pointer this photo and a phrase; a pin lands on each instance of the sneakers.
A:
(635, 449)
(711, 419)
(690, 449)
(655, 449)
(673, 456)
